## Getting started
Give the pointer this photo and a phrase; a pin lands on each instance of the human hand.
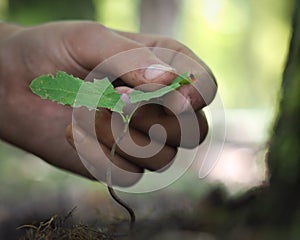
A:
(77, 47)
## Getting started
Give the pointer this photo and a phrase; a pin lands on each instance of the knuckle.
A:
(203, 133)
(203, 126)
(68, 133)
(128, 180)
(177, 45)
(160, 163)
(194, 138)
(166, 39)
(87, 26)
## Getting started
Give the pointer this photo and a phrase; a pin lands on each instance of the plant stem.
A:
(109, 175)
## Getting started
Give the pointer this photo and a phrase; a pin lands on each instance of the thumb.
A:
(91, 43)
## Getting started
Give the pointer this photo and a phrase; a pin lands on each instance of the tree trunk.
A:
(277, 206)
(284, 157)
(159, 16)
(284, 153)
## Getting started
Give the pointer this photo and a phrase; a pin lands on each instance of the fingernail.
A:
(129, 107)
(156, 70)
(125, 98)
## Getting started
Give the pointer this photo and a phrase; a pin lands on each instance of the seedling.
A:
(68, 90)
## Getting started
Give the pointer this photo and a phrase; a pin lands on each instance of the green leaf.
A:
(138, 96)
(68, 90)
(62, 89)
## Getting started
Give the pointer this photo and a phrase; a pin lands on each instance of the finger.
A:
(97, 161)
(135, 147)
(90, 43)
(181, 58)
(181, 129)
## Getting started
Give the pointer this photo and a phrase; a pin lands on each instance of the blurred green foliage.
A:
(118, 14)
(31, 12)
(244, 42)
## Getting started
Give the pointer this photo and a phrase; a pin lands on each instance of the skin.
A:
(43, 127)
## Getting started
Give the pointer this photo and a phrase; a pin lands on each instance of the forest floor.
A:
(165, 216)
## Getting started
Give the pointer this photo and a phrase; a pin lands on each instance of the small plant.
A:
(71, 91)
